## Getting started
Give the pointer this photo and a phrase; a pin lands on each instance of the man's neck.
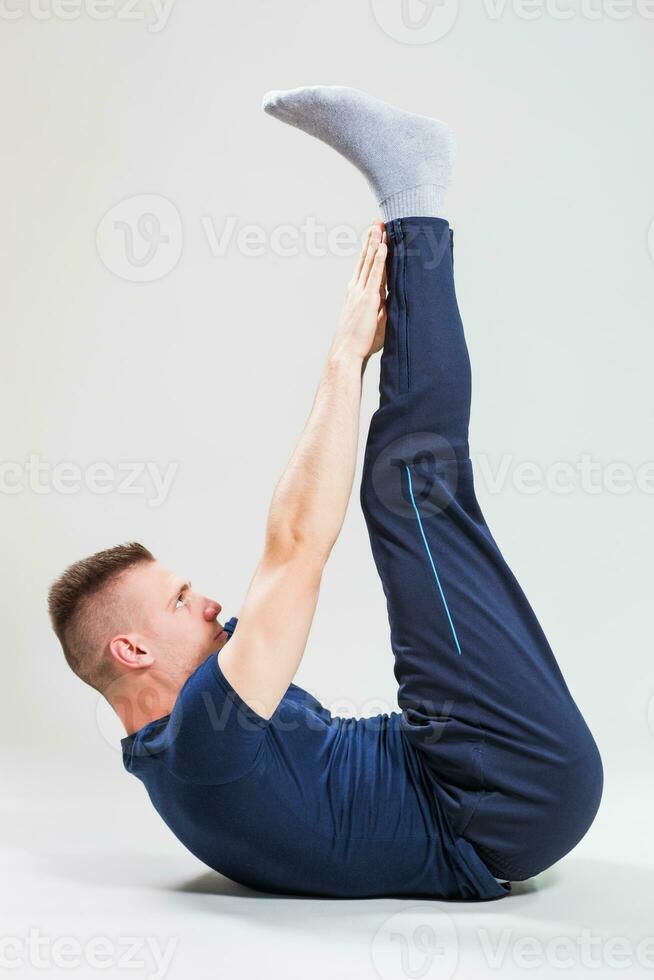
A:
(145, 698)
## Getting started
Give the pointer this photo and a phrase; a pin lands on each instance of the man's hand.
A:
(362, 324)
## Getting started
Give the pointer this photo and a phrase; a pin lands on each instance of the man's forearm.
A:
(311, 497)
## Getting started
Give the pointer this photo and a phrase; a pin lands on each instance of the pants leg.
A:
(482, 697)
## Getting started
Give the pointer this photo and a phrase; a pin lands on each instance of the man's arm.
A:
(309, 503)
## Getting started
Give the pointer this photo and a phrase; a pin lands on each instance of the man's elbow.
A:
(296, 545)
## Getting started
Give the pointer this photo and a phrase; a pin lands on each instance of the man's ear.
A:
(129, 650)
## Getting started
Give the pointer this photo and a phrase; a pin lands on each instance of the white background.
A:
(213, 366)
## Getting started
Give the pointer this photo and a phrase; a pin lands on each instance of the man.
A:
(488, 773)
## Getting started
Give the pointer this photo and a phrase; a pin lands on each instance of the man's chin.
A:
(220, 640)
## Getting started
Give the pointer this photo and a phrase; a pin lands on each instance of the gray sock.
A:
(407, 159)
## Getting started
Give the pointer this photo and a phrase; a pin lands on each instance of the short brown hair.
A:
(76, 616)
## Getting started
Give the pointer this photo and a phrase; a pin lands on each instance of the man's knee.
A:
(582, 782)
(566, 803)
(526, 829)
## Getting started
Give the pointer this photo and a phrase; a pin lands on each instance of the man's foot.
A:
(407, 159)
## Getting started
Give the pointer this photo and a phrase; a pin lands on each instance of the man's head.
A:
(126, 622)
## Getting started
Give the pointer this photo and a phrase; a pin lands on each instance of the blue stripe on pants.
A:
(431, 562)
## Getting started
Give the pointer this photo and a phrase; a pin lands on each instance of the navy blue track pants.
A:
(482, 697)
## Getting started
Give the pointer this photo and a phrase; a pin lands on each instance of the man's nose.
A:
(211, 609)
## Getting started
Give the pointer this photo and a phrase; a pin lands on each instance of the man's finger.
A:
(373, 245)
(376, 266)
(362, 256)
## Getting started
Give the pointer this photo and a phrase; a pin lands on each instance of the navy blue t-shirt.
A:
(302, 802)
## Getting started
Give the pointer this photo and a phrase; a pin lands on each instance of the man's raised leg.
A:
(482, 697)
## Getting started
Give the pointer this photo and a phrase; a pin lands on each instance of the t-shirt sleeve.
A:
(214, 736)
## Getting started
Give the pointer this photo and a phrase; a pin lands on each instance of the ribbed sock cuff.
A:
(426, 200)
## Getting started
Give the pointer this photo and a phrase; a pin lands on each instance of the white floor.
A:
(95, 885)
